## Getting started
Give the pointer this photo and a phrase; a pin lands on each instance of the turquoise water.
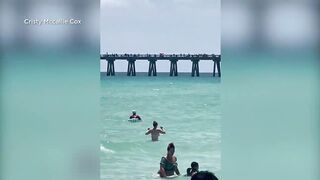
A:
(51, 119)
(270, 124)
(188, 108)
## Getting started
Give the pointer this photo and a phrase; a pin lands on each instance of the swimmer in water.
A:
(168, 163)
(155, 132)
(135, 115)
(193, 170)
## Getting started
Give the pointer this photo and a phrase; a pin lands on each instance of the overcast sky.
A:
(160, 26)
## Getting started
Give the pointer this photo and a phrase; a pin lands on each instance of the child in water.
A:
(193, 170)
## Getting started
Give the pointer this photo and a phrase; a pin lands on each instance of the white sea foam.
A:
(106, 150)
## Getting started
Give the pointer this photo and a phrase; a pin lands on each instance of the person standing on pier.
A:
(155, 132)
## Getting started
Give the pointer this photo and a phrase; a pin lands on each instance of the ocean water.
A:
(54, 106)
(270, 124)
(189, 108)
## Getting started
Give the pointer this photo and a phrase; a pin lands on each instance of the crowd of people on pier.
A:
(160, 55)
(168, 163)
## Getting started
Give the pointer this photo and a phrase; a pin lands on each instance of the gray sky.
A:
(160, 26)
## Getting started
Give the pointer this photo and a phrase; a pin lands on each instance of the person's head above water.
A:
(204, 175)
(134, 112)
(155, 124)
(195, 165)
(171, 148)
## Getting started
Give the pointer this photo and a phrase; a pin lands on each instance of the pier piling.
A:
(152, 67)
(110, 67)
(131, 67)
(173, 67)
(216, 65)
(195, 67)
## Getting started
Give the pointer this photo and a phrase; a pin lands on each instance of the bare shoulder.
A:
(174, 159)
(163, 158)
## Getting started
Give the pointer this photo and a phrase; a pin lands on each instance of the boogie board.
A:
(134, 120)
(171, 177)
(157, 176)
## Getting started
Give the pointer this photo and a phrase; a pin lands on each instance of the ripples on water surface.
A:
(188, 108)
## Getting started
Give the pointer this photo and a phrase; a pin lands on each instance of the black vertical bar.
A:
(155, 69)
(112, 71)
(214, 68)
(131, 69)
(108, 68)
(149, 71)
(193, 69)
(171, 67)
(134, 68)
(152, 69)
(219, 70)
(197, 70)
(175, 69)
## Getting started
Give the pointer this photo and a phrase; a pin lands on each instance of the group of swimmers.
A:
(168, 163)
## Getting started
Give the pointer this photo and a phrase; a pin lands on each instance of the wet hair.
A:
(192, 169)
(194, 165)
(189, 171)
(204, 175)
(155, 124)
(171, 145)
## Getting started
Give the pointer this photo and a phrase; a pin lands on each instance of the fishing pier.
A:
(153, 58)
